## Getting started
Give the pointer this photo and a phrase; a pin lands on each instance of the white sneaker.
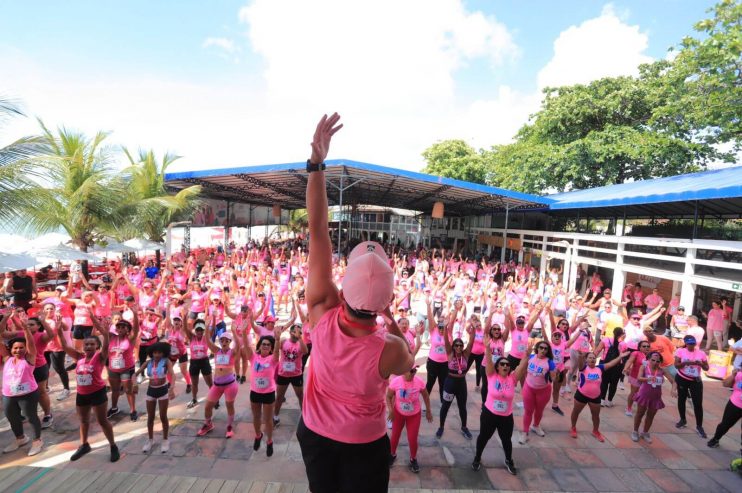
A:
(36, 447)
(634, 436)
(389, 424)
(537, 430)
(65, 393)
(148, 446)
(16, 444)
(519, 405)
(629, 413)
(620, 386)
(602, 403)
(140, 378)
(567, 388)
(608, 403)
(646, 437)
(523, 438)
(165, 447)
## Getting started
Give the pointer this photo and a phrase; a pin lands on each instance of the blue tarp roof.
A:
(720, 189)
(284, 184)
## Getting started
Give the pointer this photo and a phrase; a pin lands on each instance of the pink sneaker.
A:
(206, 428)
(598, 436)
(573, 432)
(230, 433)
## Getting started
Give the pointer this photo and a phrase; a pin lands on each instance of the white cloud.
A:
(601, 47)
(225, 44)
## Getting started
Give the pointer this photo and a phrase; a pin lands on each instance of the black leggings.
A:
(488, 423)
(609, 383)
(732, 414)
(454, 387)
(28, 403)
(435, 371)
(695, 389)
(479, 369)
(305, 356)
(55, 359)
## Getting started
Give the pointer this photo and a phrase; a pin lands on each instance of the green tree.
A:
(455, 159)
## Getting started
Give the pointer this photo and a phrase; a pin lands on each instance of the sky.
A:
(231, 83)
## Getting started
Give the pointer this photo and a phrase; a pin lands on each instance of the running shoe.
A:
(140, 379)
(112, 412)
(256, 442)
(510, 466)
(243, 379)
(63, 394)
(602, 402)
(523, 438)
(276, 422)
(230, 432)
(188, 388)
(81, 450)
(608, 403)
(388, 424)
(467, 434)
(134, 415)
(392, 459)
(36, 447)
(115, 454)
(476, 465)
(165, 447)
(713, 443)
(567, 388)
(629, 413)
(573, 432)
(681, 424)
(634, 436)
(701, 432)
(192, 404)
(439, 433)
(216, 406)
(16, 444)
(557, 410)
(269, 449)
(620, 386)
(148, 446)
(414, 466)
(538, 430)
(206, 428)
(598, 436)
(647, 437)
(46, 421)
(519, 404)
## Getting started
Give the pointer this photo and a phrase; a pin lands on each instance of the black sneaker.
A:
(115, 455)
(439, 433)
(467, 434)
(713, 443)
(414, 466)
(243, 379)
(681, 424)
(81, 450)
(701, 432)
(557, 410)
(392, 458)
(476, 465)
(276, 422)
(216, 406)
(46, 422)
(134, 415)
(192, 404)
(510, 466)
(256, 442)
(188, 388)
(112, 412)
(269, 449)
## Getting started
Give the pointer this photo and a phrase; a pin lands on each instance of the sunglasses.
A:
(543, 348)
(267, 344)
(654, 360)
(644, 346)
(636, 318)
(556, 334)
(504, 363)
(458, 345)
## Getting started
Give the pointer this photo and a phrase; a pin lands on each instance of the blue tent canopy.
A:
(362, 183)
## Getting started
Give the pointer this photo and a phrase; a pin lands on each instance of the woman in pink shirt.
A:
(733, 409)
(290, 369)
(264, 361)
(649, 398)
(632, 366)
(715, 326)
(454, 387)
(540, 372)
(689, 362)
(403, 402)
(91, 388)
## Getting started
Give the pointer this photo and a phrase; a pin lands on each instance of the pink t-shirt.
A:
(690, 372)
(519, 340)
(262, 379)
(500, 394)
(736, 396)
(290, 363)
(18, 378)
(590, 379)
(120, 354)
(437, 346)
(715, 322)
(478, 346)
(88, 373)
(537, 373)
(558, 351)
(344, 394)
(407, 395)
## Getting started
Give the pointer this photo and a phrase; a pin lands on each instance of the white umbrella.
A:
(144, 245)
(113, 246)
(61, 253)
(16, 261)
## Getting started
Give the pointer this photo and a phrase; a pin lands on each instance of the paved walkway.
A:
(676, 461)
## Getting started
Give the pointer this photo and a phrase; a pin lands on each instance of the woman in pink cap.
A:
(342, 432)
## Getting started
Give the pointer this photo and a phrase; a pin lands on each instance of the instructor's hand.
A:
(326, 128)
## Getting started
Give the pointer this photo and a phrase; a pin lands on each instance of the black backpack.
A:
(612, 351)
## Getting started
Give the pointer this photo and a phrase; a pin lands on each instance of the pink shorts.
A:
(634, 382)
(283, 290)
(229, 391)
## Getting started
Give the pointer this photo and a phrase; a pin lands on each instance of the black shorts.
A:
(157, 393)
(181, 358)
(297, 381)
(579, 397)
(258, 398)
(81, 332)
(95, 399)
(41, 373)
(336, 466)
(202, 366)
(125, 375)
(514, 362)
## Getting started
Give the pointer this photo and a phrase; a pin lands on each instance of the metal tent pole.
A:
(505, 235)
(340, 210)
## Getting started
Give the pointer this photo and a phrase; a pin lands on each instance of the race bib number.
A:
(288, 366)
(199, 353)
(222, 359)
(692, 371)
(440, 350)
(84, 380)
(20, 389)
(117, 362)
(521, 348)
(658, 381)
(262, 383)
(406, 407)
(174, 351)
(447, 397)
(437, 304)
(501, 406)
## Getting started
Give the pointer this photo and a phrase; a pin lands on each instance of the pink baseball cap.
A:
(368, 284)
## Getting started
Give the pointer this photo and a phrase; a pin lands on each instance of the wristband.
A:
(311, 167)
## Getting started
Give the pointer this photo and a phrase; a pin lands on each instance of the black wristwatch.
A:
(314, 167)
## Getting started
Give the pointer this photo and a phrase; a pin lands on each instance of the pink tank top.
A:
(262, 379)
(519, 340)
(82, 317)
(103, 305)
(290, 364)
(478, 346)
(120, 354)
(198, 302)
(344, 392)
(199, 348)
(437, 347)
(558, 352)
(498, 350)
(500, 394)
(88, 373)
(18, 378)
(736, 396)
(147, 300)
(40, 349)
(177, 342)
(148, 332)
